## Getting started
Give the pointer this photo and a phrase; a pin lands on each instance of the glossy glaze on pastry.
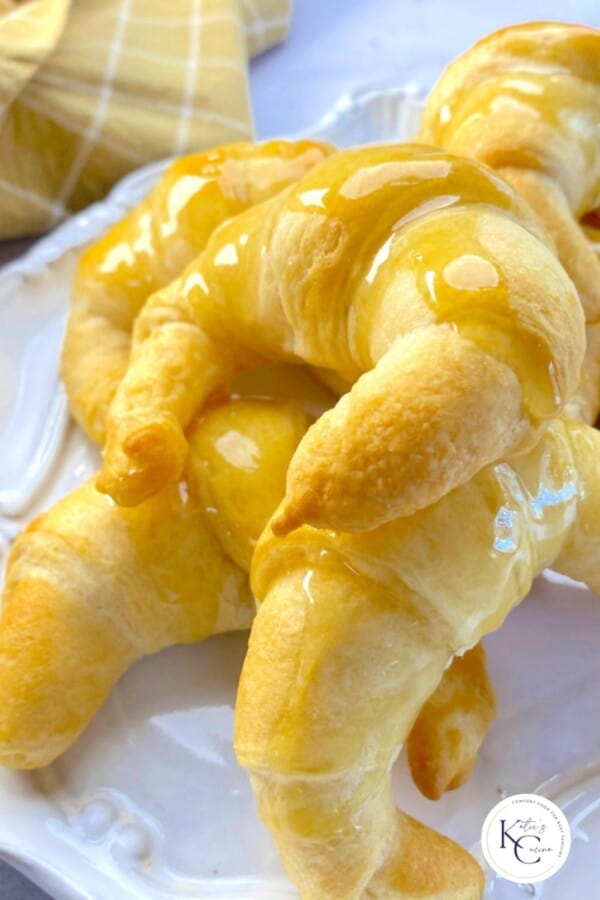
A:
(90, 586)
(419, 276)
(354, 632)
(150, 247)
(526, 101)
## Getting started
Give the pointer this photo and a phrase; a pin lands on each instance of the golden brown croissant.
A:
(451, 728)
(575, 332)
(114, 277)
(352, 636)
(150, 247)
(90, 587)
(442, 747)
(413, 273)
(526, 101)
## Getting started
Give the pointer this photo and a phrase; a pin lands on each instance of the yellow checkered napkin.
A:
(90, 89)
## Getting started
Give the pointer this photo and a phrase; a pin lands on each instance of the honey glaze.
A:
(516, 517)
(347, 230)
(196, 194)
(454, 266)
(128, 276)
(293, 280)
(240, 451)
(239, 454)
(369, 621)
(526, 96)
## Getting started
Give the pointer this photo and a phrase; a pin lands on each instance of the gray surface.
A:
(11, 250)
(336, 46)
(14, 886)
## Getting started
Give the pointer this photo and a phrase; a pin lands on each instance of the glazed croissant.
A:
(352, 636)
(115, 275)
(526, 101)
(499, 103)
(90, 586)
(419, 279)
(150, 247)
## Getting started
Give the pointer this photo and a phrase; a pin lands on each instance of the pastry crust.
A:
(149, 248)
(380, 260)
(90, 587)
(499, 103)
(353, 634)
(526, 101)
(424, 284)
(443, 745)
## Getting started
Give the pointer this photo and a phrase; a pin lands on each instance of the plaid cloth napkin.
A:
(90, 89)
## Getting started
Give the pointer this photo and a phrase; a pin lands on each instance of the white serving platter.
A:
(150, 802)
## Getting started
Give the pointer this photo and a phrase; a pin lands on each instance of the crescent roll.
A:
(419, 278)
(150, 247)
(526, 101)
(353, 635)
(91, 586)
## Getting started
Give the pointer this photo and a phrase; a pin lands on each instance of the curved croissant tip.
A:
(103, 481)
(286, 520)
(114, 488)
(130, 488)
(148, 459)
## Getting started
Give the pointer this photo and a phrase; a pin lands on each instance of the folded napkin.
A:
(90, 89)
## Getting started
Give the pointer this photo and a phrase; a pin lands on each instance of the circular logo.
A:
(526, 838)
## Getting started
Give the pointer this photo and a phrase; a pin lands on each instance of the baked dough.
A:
(418, 277)
(353, 634)
(150, 247)
(526, 101)
(91, 586)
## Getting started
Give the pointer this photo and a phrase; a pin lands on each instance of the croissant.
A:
(91, 586)
(417, 277)
(352, 636)
(150, 247)
(499, 103)
(114, 277)
(526, 101)
(442, 746)
(448, 732)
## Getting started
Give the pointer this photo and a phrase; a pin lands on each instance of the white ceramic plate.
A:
(150, 802)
